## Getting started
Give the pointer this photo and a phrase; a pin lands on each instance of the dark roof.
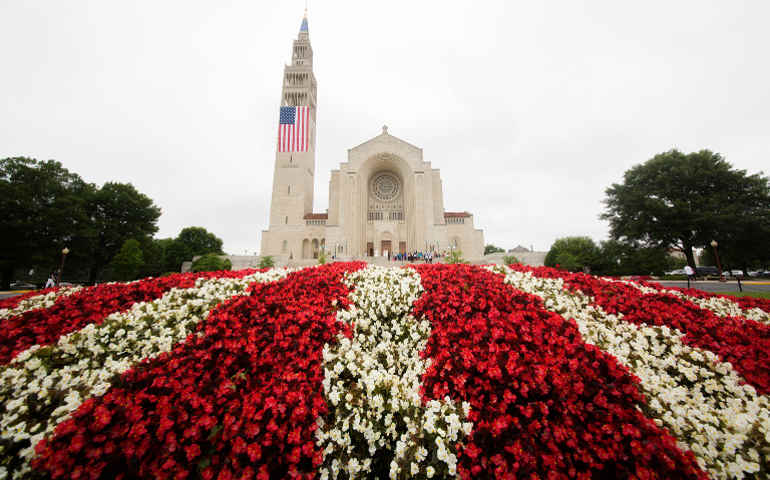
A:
(316, 216)
(456, 214)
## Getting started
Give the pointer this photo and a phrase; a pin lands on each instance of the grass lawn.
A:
(747, 294)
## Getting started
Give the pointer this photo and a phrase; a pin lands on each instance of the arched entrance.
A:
(387, 204)
(315, 247)
(386, 244)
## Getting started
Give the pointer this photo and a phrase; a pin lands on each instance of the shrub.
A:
(321, 257)
(211, 262)
(455, 256)
(492, 249)
(510, 259)
(574, 254)
(266, 262)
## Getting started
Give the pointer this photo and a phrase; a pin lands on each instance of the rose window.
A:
(386, 187)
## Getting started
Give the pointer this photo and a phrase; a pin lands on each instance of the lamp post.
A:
(714, 245)
(64, 253)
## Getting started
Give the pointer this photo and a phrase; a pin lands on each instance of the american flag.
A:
(293, 129)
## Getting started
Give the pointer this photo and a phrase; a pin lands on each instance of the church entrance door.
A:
(386, 247)
(370, 249)
(401, 247)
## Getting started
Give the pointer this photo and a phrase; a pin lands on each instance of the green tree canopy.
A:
(191, 242)
(211, 262)
(619, 258)
(128, 261)
(200, 241)
(119, 212)
(574, 254)
(492, 249)
(44, 209)
(175, 254)
(681, 201)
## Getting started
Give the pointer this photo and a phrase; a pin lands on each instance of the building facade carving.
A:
(385, 199)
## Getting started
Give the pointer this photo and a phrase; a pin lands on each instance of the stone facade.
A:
(384, 199)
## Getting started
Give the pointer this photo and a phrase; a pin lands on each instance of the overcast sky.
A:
(530, 109)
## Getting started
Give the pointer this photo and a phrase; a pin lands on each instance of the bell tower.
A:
(294, 172)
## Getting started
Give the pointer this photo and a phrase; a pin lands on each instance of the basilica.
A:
(385, 199)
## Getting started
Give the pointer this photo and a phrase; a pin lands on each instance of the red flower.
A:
(249, 386)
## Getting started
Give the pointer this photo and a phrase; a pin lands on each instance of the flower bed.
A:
(347, 371)
(78, 307)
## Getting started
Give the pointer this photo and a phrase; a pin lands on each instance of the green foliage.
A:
(153, 252)
(211, 262)
(200, 241)
(175, 254)
(128, 261)
(43, 209)
(574, 254)
(321, 257)
(683, 201)
(266, 262)
(510, 260)
(492, 249)
(191, 242)
(621, 258)
(747, 294)
(118, 211)
(455, 256)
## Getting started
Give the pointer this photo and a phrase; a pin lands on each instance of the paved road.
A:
(712, 286)
(11, 294)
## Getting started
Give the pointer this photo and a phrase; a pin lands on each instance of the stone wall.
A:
(535, 259)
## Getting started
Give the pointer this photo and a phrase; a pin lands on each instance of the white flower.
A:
(86, 360)
(699, 399)
(381, 380)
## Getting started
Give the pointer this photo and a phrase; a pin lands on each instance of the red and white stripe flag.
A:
(293, 129)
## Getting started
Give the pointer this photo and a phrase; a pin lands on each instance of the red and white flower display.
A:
(347, 371)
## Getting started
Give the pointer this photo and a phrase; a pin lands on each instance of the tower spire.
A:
(303, 28)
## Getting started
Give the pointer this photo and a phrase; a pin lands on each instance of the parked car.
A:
(678, 271)
(706, 271)
(23, 286)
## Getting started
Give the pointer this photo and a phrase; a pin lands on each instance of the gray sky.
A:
(530, 109)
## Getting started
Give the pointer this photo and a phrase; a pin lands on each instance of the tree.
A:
(619, 258)
(211, 262)
(43, 209)
(153, 253)
(191, 242)
(492, 249)
(175, 254)
(574, 254)
(683, 201)
(129, 260)
(118, 212)
(199, 241)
